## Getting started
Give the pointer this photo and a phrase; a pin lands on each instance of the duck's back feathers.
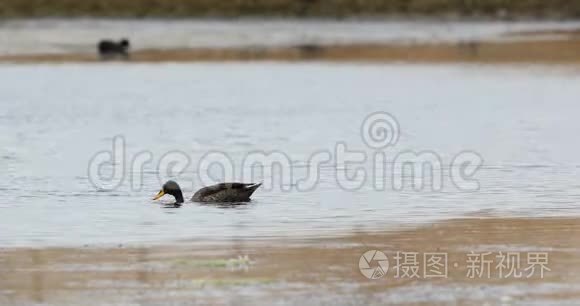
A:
(226, 192)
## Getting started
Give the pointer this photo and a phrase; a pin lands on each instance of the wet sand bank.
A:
(318, 271)
(534, 51)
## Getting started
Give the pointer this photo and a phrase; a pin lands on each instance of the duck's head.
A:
(171, 188)
(124, 43)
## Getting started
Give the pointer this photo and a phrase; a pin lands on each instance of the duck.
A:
(109, 49)
(218, 193)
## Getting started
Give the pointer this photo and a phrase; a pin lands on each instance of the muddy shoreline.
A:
(276, 271)
(535, 51)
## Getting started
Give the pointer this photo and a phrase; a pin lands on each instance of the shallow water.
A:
(54, 118)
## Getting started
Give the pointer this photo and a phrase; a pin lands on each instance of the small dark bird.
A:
(219, 193)
(109, 49)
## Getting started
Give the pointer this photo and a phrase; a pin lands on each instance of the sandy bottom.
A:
(316, 271)
(529, 51)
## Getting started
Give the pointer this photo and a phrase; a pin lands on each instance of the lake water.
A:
(522, 121)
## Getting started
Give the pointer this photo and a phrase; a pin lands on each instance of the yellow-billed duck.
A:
(219, 193)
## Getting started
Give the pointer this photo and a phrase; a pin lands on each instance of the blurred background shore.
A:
(411, 40)
(370, 30)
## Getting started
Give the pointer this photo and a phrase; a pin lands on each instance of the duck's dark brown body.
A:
(109, 49)
(225, 192)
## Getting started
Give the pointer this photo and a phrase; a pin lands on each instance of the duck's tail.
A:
(250, 188)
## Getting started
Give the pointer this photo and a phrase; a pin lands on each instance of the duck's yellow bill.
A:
(159, 195)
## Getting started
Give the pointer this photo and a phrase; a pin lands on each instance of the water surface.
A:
(54, 118)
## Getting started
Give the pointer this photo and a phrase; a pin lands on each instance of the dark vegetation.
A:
(291, 8)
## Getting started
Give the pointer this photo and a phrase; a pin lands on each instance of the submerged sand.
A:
(314, 271)
(527, 52)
